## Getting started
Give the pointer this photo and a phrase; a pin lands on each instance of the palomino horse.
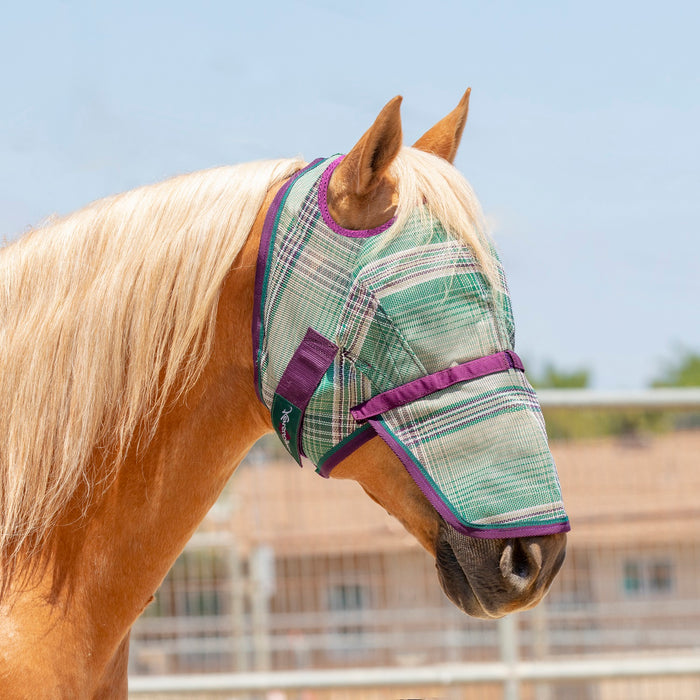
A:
(129, 398)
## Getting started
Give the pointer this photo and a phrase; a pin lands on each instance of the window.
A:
(573, 587)
(647, 576)
(346, 603)
(350, 597)
(633, 577)
(196, 586)
(661, 576)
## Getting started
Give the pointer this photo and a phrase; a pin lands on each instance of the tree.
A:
(568, 424)
(583, 423)
(553, 378)
(681, 371)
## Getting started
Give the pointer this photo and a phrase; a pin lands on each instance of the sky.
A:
(583, 139)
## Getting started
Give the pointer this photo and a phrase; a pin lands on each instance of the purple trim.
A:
(448, 516)
(304, 372)
(325, 213)
(345, 451)
(424, 386)
(263, 251)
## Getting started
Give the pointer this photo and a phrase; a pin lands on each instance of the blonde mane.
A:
(103, 315)
(106, 313)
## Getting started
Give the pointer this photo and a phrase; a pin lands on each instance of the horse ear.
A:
(363, 168)
(443, 139)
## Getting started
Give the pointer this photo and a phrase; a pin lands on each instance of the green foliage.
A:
(568, 424)
(585, 423)
(682, 371)
(553, 378)
(580, 424)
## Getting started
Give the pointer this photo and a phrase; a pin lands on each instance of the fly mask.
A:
(356, 334)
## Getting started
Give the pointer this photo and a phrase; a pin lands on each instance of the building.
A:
(294, 571)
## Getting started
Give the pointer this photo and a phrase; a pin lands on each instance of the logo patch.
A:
(286, 420)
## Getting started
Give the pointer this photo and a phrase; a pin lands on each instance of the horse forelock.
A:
(434, 187)
(103, 315)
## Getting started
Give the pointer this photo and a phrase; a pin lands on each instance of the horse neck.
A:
(104, 567)
(160, 497)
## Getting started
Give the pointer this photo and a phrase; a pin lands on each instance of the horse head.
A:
(384, 350)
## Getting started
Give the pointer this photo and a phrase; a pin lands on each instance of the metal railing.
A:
(604, 632)
(509, 674)
(676, 399)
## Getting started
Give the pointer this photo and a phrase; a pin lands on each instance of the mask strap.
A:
(297, 385)
(424, 386)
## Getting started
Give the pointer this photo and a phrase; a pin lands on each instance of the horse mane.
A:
(437, 190)
(104, 315)
(108, 313)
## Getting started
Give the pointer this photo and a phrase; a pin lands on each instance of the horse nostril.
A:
(521, 563)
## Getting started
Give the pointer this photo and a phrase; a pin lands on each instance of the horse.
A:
(129, 398)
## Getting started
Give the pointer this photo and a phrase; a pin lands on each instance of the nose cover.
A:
(358, 334)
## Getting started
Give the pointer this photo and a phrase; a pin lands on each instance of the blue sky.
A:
(582, 143)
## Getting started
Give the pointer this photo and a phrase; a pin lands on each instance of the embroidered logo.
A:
(286, 419)
(282, 429)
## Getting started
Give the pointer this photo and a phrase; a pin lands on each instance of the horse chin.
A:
(491, 578)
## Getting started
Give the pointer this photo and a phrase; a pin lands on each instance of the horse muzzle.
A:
(489, 578)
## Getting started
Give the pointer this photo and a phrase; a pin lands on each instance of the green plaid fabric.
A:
(400, 307)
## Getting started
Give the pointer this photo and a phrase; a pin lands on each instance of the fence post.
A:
(237, 589)
(540, 645)
(508, 642)
(262, 580)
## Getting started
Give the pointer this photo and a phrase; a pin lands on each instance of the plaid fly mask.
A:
(357, 334)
